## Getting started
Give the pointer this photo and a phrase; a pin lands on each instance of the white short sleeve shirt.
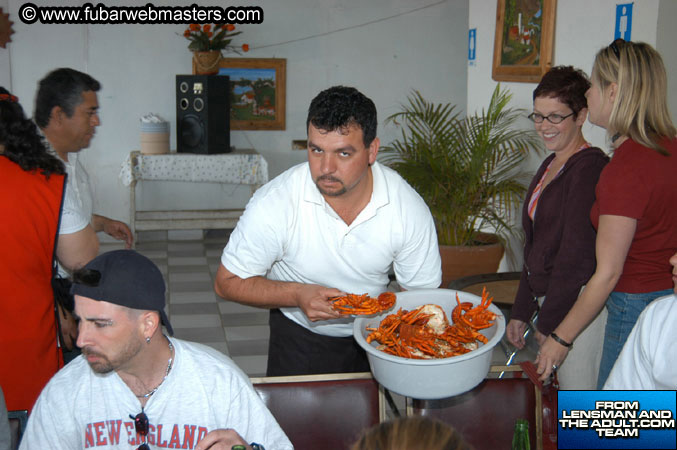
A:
(78, 208)
(78, 204)
(289, 232)
(647, 361)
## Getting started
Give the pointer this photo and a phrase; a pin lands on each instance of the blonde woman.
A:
(411, 433)
(634, 211)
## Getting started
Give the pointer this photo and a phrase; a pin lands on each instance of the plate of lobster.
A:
(363, 305)
(436, 344)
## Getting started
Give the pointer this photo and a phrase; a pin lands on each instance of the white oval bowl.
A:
(430, 378)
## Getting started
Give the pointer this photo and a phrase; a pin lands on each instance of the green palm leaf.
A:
(469, 170)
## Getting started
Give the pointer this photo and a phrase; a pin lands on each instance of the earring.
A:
(147, 340)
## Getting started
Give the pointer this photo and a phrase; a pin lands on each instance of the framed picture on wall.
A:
(257, 92)
(523, 45)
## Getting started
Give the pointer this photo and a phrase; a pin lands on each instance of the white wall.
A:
(400, 47)
(582, 28)
(4, 54)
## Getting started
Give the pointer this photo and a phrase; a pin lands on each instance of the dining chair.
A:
(327, 411)
(485, 416)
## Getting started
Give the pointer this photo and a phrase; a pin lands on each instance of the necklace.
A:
(169, 368)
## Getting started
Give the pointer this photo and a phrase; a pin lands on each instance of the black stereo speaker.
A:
(202, 114)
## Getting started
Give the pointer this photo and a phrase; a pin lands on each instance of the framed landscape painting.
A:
(523, 43)
(257, 92)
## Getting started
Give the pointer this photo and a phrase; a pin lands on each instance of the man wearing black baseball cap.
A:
(133, 385)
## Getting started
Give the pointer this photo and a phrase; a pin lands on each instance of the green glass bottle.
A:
(520, 439)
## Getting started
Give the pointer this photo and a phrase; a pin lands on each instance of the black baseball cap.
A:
(126, 278)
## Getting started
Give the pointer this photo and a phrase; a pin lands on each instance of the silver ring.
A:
(554, 367)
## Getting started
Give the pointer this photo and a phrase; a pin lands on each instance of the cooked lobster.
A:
(425, 332)
(363, 304)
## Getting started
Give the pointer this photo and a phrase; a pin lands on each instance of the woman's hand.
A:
(550, 357)
(515, 332)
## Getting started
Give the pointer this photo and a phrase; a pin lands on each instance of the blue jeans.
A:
(624, 310)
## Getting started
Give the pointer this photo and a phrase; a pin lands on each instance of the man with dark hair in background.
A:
(336, 224)
(66, 111)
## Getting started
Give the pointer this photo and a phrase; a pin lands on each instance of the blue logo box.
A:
(616, 420)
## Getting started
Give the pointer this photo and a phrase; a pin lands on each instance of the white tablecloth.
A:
(240, 167)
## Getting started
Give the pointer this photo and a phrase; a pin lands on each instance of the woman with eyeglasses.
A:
(635, 211)
(559, 250)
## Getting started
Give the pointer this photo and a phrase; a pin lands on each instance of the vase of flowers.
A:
(208, 42)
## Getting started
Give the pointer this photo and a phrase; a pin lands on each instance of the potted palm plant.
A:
(469, 171)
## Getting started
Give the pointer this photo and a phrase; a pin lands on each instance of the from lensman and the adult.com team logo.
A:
(616, 420)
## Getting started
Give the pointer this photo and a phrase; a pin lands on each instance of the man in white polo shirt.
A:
(336, 224)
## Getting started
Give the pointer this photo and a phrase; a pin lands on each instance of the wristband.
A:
(560, 341)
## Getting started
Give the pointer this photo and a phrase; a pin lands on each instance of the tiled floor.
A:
(195, 311)
(189, 262)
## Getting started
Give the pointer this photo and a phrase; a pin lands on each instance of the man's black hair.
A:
(339, 107)
(61, 87)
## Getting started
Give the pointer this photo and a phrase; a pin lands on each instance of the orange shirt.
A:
(29, 218)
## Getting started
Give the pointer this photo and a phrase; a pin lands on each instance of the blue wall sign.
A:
(623, 21)
(472, 41)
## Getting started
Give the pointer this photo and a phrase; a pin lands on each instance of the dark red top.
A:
(30, 206)
(642, 184)
(559, 245)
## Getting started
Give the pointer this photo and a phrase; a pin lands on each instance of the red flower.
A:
(212, 36)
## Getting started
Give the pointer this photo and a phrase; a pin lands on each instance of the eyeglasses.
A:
(552, 118)
(614, 47)
(141, 427)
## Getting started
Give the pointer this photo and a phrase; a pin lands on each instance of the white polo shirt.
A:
(288, 232)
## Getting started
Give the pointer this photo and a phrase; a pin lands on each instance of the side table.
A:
(245, 167)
